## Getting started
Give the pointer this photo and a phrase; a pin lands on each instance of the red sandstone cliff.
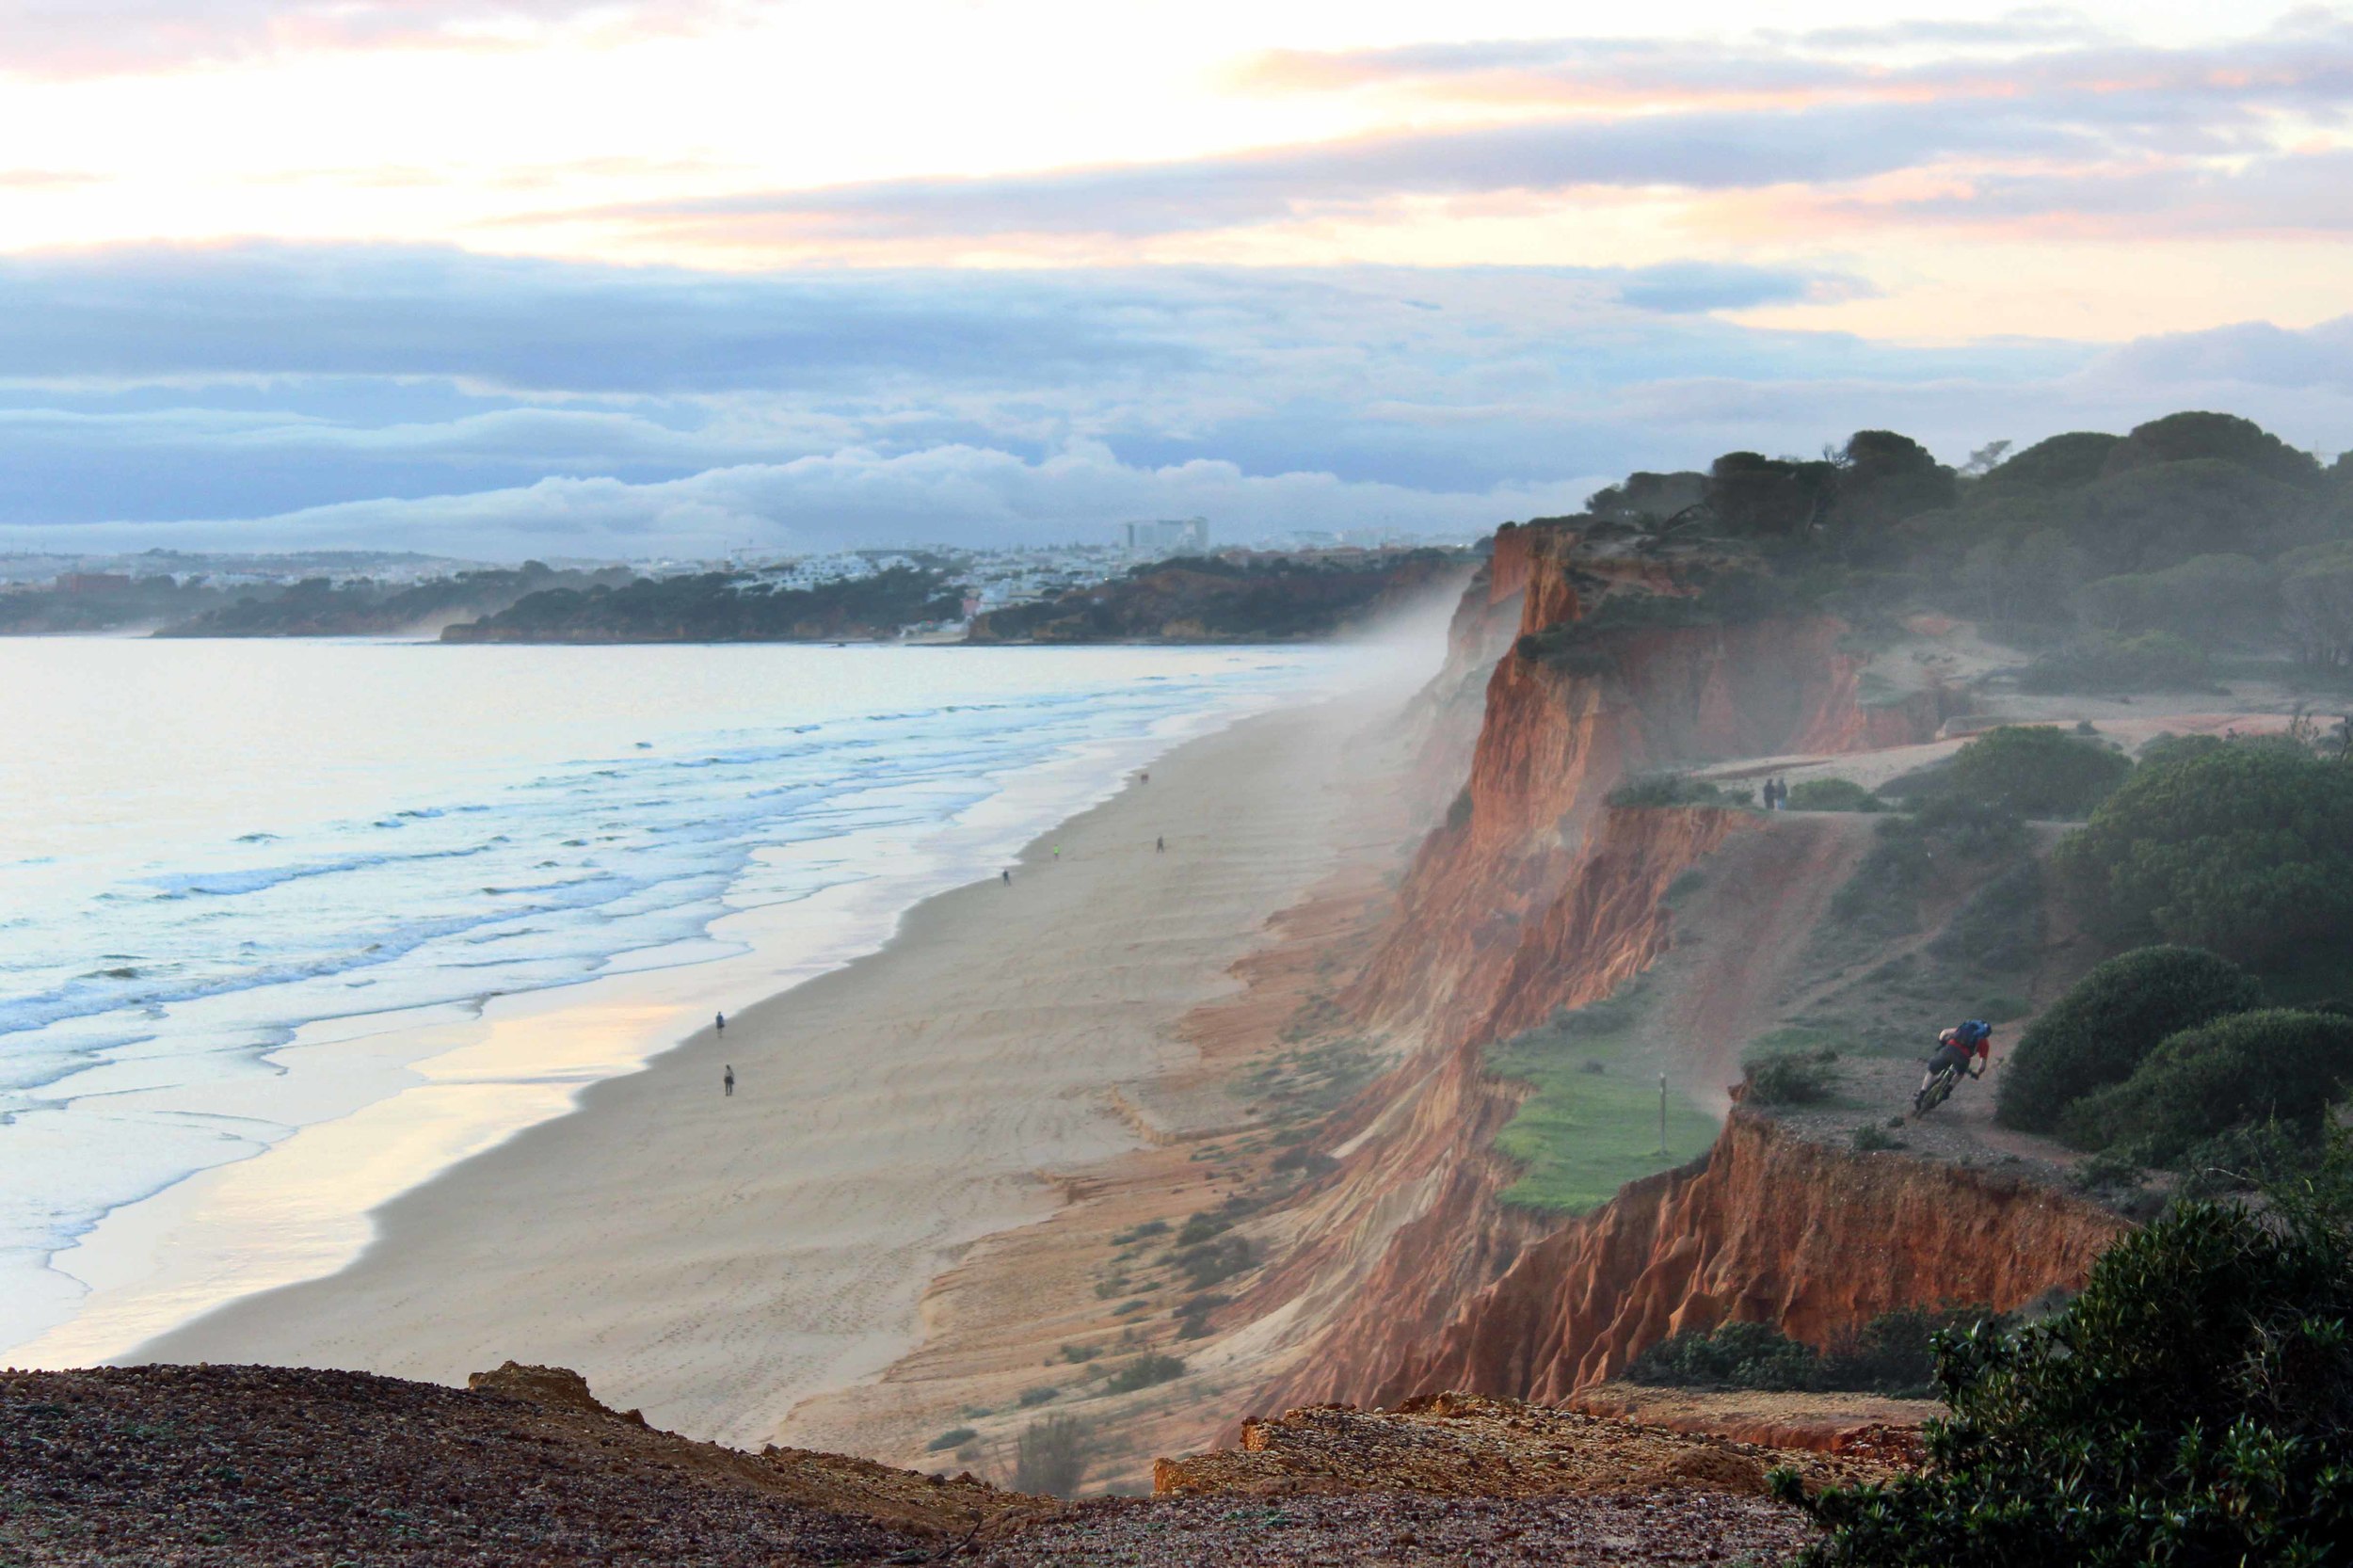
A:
(1767, 1228)
(1478, 943)
(1400, 1271)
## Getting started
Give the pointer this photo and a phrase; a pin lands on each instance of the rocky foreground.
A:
(254, 1466)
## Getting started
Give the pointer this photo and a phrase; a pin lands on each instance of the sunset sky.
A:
(599, 278)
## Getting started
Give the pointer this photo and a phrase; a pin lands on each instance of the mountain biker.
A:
(1968, 1047)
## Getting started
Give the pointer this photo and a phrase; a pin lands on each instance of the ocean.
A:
(252, 888)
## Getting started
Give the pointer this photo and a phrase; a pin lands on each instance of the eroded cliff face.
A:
(1384, 1252)
(1401, 1273)
(1486, 937)
(1768, 1227)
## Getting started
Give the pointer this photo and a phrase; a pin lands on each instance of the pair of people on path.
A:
(1777, 794)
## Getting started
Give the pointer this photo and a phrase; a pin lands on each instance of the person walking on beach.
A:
(1159, 844)
(727, 1079)
(719, 1025)
(1007, 874)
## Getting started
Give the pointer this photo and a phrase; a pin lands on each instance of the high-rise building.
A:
(1169, 536)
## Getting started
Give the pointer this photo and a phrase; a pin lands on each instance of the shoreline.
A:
(660, 1238)
(384, 1102)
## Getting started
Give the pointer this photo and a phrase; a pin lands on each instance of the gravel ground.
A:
(252, 1467)
(266, 1467)
(1642, 1530)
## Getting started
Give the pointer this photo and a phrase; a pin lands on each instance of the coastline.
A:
(381, 1101)
(718, 1262)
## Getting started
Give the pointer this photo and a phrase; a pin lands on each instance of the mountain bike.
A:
(1935, 1092)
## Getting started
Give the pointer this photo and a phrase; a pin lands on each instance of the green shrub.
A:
(1737, 1355)
(2193, 1406)
(1871, 1138)
(1144, 1371)
(1833, 794)
(1893, 1355)
(1790, 1079)
(2033, 771)
(2247, 1156)
(2209, 599)
(1675, 789)
(2273, 1065)
(1201, 1226)
(1192, 1316)
(955, 1437)
(2149, 662)
(1215, 1261)
(2247, 849)
(2023, 770)
(2104, 1172)
(1043, 1394)
(2098, 1032)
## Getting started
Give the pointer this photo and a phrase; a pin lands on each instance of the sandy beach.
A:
(715, 1259)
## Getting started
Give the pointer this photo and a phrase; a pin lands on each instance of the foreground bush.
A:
(2246, 848)
(2273, 1066)
(2193, 1407)
(2098, 1032)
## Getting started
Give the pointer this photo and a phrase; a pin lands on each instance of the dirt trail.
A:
(1739, 940)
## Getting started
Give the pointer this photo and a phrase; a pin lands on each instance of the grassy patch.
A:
(1584, 1133)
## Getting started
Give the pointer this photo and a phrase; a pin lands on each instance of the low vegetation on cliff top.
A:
(1591, 1121)
(2023, 770)
(2118, 563)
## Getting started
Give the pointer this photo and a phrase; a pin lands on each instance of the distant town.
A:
(326, 591)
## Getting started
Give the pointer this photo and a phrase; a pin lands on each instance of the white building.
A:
(1169, 536)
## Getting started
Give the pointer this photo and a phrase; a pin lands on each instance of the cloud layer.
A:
(435, 400)
(2035, 120)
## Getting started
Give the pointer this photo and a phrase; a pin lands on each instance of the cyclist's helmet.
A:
(1975, 1029)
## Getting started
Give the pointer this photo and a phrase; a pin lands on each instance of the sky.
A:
(596, 278)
